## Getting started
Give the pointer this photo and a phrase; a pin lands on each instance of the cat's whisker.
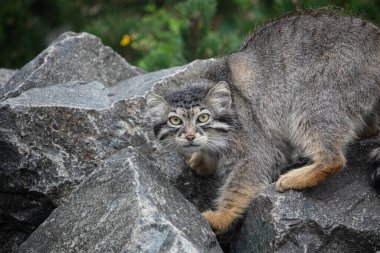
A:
(217, 147)
(212, 150)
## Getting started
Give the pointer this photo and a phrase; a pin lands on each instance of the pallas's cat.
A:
(308, 83)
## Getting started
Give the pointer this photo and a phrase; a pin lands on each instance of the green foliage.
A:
(196, 16)
(159, 40)
(152, 34)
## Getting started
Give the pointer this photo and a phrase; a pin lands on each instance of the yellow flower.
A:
(126, 40)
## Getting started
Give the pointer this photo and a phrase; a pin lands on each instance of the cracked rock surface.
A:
(126, 205)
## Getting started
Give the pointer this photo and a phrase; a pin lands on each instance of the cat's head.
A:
(197, 117)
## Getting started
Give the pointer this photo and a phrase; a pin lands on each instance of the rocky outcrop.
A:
(68, 120)
(54, 131)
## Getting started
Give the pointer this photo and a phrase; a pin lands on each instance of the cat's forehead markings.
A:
(187, 98)
(184, 112)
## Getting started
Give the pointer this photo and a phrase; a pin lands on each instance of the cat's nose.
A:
(190, 137)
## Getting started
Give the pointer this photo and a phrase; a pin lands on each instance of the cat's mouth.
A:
(191, 145)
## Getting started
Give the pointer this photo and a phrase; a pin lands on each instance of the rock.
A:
(56, 127)
(124, 206)
(49, 144)
(5, 76)
(52, 137)
(71, 57)
(340, 215)
(20, 215)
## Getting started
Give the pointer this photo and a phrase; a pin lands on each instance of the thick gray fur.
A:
(308, 83)
(318, 72)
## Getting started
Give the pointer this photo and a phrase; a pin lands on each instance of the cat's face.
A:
(193, 119)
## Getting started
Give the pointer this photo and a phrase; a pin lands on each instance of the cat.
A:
(306, 84)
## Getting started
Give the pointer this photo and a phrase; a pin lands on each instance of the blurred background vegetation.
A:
(150, 34)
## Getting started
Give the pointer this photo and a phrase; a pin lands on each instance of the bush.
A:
(150, 34)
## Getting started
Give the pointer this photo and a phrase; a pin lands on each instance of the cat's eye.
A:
(203, 118)
(175, 120)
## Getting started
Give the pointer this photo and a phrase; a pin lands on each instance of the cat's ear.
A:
(156, 107)
(219, 96)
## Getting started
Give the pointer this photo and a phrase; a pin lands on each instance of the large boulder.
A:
(55, 124)
(126, 205)
(71, 57)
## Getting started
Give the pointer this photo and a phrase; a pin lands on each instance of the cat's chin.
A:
(190, 148)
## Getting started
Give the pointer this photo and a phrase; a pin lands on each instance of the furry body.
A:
(309, 84)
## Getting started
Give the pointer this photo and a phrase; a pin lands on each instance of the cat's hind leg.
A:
(323, 142)
(321, 131)
(324, 165)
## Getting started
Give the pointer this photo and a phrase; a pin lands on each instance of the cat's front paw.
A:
(220, 221)
(199, 165)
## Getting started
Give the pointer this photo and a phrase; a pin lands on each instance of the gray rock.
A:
(124, 206)
(5, 76)
(52, 137)
(340, 215)
(54, 132)
(20, 215)
(49, 142)
(71, 57)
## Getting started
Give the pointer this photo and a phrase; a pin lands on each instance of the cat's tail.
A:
(375, 176)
